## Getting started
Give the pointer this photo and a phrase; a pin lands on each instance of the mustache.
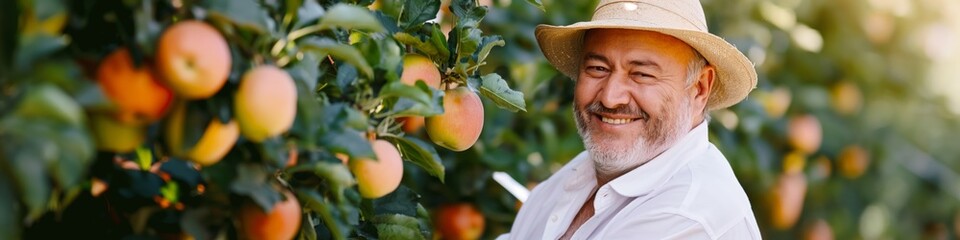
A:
(623, 109)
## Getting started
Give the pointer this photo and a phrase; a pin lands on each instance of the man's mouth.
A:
(617, 121)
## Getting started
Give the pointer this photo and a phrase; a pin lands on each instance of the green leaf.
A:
(346, 76)
(391, 58)
(309, 12)
(195, 121)
(307, 232)
(495, 88)
(319, 204)
(469, 38)
(9, 205)
(467, 10)
(273, 151)
(416, 12)
(397, 226)
(348, 141)
(291, 8)
(341, 115)
(147, 30)
(426, 227)
(427, 48)
(76, 150)
(34, 47)
(305, 126)
(399, 89)
(400, 201)
(486, 45)
(420, 153)
(336, 174)
(246, 13)
(46, 101)
(306, 70)
(325, 46)
(196, 221)
(538, 4)
(91, 96)
(44, 9)
(170, 191)
(405, 107)
(253, 181)
(409, 107)
(27, 163)
(389, 23)
(439, 41)
(63, 74)
(383, 54)
(350, 17)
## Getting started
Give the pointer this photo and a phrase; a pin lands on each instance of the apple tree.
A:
(233, 118)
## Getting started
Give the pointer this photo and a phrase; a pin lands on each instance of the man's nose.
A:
(614, 93)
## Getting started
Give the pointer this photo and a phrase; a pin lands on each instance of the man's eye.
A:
(643, 75)
(597, 68)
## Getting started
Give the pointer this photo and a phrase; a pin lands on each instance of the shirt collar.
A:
(583, 175)
(652, 174)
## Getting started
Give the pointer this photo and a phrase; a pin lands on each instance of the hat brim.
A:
(736, 76)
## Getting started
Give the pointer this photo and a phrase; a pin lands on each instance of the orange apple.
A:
(281, 223)
(459, 221)
(819, 230)
(376, 178)
(459, 127)
(775, 102)
(217, 139)
(139, 97)
(804, 133)
(193, 58)
(847, 98)
(417, 67)
(266, 103)
(853, 161)
(786, 200)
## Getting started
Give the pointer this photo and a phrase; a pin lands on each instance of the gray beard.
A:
(658, 135)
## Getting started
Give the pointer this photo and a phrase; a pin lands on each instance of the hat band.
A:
(646, 12)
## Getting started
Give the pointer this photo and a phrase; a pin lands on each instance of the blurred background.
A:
(850, 133)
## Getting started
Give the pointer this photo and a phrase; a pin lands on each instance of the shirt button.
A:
(553, 218)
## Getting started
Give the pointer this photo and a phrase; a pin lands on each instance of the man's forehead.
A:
(633, 35)
(630, 38)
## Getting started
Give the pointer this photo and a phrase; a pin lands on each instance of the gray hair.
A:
(694, 67)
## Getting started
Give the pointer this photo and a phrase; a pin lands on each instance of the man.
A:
(646, 72)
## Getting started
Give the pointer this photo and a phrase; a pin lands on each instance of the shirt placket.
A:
(562, 215)
(604, 202)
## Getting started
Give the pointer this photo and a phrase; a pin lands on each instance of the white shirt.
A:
(687, 192)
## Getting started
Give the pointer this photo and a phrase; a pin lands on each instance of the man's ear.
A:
(704, 85)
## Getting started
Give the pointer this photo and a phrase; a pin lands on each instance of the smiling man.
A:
(647, 73)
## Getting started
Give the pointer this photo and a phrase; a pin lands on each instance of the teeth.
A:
(616, 120)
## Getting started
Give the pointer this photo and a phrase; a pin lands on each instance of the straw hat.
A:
(682, 19)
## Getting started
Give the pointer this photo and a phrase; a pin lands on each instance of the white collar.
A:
(650, 175)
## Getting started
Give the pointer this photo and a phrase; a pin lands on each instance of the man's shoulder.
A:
(715, 198)
(705, 191)
(713, 182)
